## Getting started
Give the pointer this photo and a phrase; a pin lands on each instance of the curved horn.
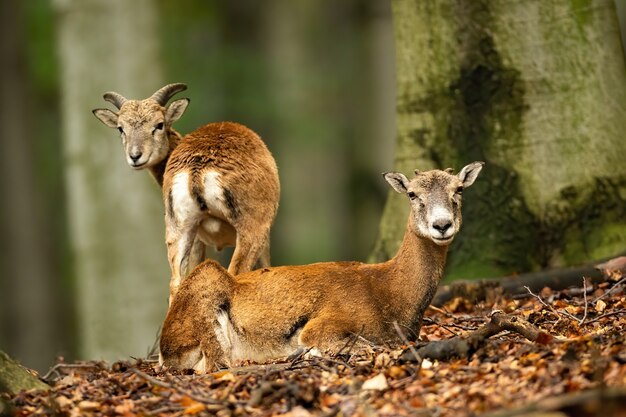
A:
(115, 98)
(165, 93)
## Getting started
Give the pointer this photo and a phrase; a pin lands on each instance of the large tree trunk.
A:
(115, 214)
(535, 89)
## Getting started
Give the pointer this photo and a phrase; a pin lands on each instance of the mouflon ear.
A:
(175, 110)
(106, 116)
(397, 181)
(469, 173)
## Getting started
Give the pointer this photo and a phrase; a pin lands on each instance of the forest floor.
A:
(573, 365)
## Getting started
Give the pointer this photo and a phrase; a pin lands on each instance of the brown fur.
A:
(273, 312)
(248, 179)
(251, 191)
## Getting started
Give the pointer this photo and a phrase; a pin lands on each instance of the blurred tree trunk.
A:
(538, 91)
(28, 297)
(312, 224)
(333, 127)
(115, 214)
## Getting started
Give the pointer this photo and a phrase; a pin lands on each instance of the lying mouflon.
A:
(217, 319)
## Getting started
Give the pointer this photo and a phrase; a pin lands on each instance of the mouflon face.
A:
(435, 197)
(144, 124)
(142, 127)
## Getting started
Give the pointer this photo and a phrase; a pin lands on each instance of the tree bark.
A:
(535, 89)
(14, 378)
(115, 215)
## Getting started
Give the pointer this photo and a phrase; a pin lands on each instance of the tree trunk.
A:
(115, 215)
(537, 91)
(329, 63)
(14, 378)
(28, 300)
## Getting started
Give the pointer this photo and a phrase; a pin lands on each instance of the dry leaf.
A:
(298, 412)
(63, 401)
(194, 408)
(88, 406)
(377, 383)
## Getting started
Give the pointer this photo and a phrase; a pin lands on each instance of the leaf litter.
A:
(580, 349)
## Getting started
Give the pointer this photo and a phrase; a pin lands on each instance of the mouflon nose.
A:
(135, 156)
(442, 225)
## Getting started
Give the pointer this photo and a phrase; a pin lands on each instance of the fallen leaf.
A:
(88, 406)
(224, 376)
(125, 407)
(377, 383)
(297, 412)
(194, 408)
(62, 401)
(426, 364)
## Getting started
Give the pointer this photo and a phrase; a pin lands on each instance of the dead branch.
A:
(551, 308)
(486, 289)
(464, 346)
(603, 401)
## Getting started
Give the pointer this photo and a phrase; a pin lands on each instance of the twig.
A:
(209, 403)
(151, 379)
(586, 304)
(416, 355)
(166, 409)
(440, 325)
(617, 285)
(440, 310)
(395, 323)
(335, 362)
(612, 313)
(552, 309)
(369, 342)
(351, 342)
(154, 350)
(58, 366)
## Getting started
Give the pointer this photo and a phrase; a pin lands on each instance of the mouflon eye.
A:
(459, 190)
(120, 129)
(159, 126)
(411, 195)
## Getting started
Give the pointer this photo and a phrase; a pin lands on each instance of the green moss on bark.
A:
(532, 100)
(14, 378)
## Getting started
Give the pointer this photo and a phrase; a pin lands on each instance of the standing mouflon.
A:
(220, 182)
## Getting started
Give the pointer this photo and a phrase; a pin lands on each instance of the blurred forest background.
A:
(315, 78)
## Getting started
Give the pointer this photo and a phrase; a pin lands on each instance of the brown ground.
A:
(585, 351)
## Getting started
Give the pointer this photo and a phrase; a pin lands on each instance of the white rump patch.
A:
(185, 206)
(214, 194)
